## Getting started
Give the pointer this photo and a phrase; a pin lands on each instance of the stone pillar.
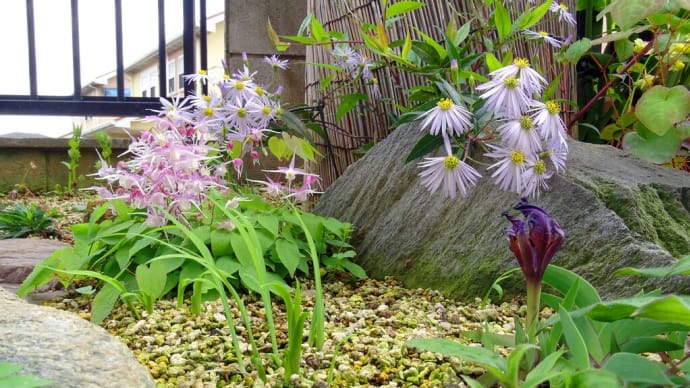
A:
(245, 31)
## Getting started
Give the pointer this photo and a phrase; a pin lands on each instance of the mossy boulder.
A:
(616, 210)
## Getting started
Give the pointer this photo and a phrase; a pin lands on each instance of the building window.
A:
(180, 71)
(149, 80)
(171, 76)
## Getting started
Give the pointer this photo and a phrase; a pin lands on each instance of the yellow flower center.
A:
(259, 90)
(543, 34)
(266, 110)
(207, 98)
(279, 111)
(226, 76)
(451, 162)
(563, 6)
(510, 82)
(208, 111)
(540, 167)
(239, 85)
(521, 62)
(203, 72)
(445, 104)
(517, 157)
(526, 123)
(553, 108)
(242, 112)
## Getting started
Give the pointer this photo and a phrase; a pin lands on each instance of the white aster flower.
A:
(548, 120)
(510, 167)
(561, 9)
(238, 88)
(520, 133)
(534, 178)
(543, 36)
(449, 173)
(276, 63)
(447, 117)
(558, 154)
(505, 97)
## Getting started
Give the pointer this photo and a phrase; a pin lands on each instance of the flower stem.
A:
(533, 296)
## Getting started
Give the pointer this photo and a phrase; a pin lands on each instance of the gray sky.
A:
(54, 47)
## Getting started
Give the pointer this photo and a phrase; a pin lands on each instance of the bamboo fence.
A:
(371, 121)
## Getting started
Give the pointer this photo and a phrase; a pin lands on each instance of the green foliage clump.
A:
(21, 220)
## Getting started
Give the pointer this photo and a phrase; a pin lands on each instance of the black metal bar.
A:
(63, 106)
(119, 56)
(76, 58)
(203, 60)
(188, 43)
(31, 36)
(162, 57)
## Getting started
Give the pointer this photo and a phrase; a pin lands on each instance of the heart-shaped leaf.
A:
(660, 107)
(648, 146)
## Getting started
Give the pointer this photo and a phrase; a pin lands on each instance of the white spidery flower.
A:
(446, 117)
(544, 36)
(510, 167)
(562, 10)
(449, 173)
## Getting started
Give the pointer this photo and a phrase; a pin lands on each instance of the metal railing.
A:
(119, 105)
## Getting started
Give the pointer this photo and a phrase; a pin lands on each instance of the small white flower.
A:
(548, 120)
(447, 117)
(510, 167)
(276, 63)
(543, 36)
(504, 97)
(563, 13)
(521, 133)
(448, 173)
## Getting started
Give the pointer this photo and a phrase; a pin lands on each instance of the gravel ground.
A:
(367, 325)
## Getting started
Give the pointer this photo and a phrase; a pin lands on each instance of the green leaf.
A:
(649, 345)
(681, 267)
(485, 357)
(533, 16)
(562, 280)
(317, 30)
(440, 50)
(543, 371)
(502, 20)
(653, 148)
(669, 308)
(278, 148)
(288, 254)
(354, 269)
(660, 107)
(624, 49)
(577, 50)
(627, 13)
(634, 368)
(402, 7)
(348, 102)
(103, 303)
(220, 242)
(599, 378)
(151, 279)
(228, 265)
(515, 359)
(425, 145)
(492, 62)
(576, 344)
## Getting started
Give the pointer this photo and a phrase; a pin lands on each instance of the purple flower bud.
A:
(535, 240)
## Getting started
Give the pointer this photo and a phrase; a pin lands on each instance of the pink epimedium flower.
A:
(237, 164)
(271, 188)
(447, 117)
(448, 173)
(290, 172)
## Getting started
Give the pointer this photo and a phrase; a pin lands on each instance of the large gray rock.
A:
(616, 211)
(62, 347)
(19, 256)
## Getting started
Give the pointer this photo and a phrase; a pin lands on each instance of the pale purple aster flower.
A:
(520, 133)
(547, 118)
(347, 58)
(244, 74)
(561, 9)
(238, 117)
(237, 88)
(262, 110)
(510, 166)
(449, 173)
(447, 117)
(534, 178)
(543, 36)
(276, 63)
(505, 97)
(558, 154)
(201, 76)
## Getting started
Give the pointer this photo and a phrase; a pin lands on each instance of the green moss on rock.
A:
(655, 213)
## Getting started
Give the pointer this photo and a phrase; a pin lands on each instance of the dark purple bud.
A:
(535, 240)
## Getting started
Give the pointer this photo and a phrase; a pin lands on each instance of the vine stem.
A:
(581, 113)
